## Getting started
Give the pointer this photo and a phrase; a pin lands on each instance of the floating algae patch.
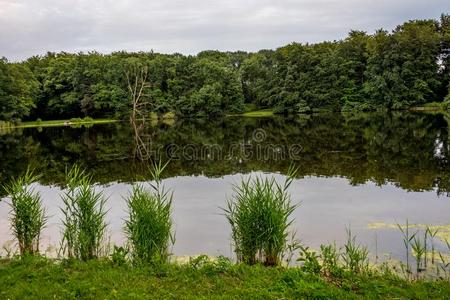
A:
(438, 257)
(382, 225)
(443, 231)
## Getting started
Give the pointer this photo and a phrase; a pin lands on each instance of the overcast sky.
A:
(29, 27)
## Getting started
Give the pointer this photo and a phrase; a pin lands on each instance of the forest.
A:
(397, 70)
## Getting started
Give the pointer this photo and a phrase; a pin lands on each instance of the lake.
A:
(366, 172)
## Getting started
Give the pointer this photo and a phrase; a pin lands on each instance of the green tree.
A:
(18, 89)
(402, 68)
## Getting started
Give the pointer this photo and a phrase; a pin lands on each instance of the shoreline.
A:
(261, 113)
(61, 123)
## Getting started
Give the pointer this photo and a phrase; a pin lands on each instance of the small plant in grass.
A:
(330, 259)
(84, 225)
(326, 262)
(209, 265)
(259, 214)
(149, 224)
(119, 255)
(292, 247)
(28, 216)
(199, 262)
(310, 260)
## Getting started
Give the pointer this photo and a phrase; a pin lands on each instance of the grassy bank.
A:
(438, 107)
(256, 113)
(38, 278)
(57, 123)
(259, 214)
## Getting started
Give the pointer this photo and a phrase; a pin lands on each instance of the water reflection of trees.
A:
(142, 140)
(410, 150)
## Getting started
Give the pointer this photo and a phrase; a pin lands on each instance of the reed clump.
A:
(355, 256)
(84, 225)
(259, 214)
(149, 224)
(28, 216)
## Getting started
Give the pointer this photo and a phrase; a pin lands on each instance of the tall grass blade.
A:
(407, 238)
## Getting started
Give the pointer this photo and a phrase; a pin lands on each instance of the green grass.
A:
(432, 107)
(255, 114)
(57, 123)
(37, 278)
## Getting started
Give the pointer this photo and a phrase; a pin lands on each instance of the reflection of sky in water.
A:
(328, 206)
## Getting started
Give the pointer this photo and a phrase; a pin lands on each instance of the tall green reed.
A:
(84, 225)
(444, 264)
(407, 238)
(432, 234)
(28, 216)
(149, 224)
(419, 249)
(259, 214)
(355, 256)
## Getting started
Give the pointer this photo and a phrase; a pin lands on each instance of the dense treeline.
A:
(386, 70)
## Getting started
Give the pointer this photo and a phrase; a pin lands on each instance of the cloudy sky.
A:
(29, 27)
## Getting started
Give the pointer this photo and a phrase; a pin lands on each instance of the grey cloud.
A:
(29, 27)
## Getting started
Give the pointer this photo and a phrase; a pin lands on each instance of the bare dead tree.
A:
(138, 84)
(137, 81)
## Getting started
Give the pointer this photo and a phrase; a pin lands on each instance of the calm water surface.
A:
(355, 171)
